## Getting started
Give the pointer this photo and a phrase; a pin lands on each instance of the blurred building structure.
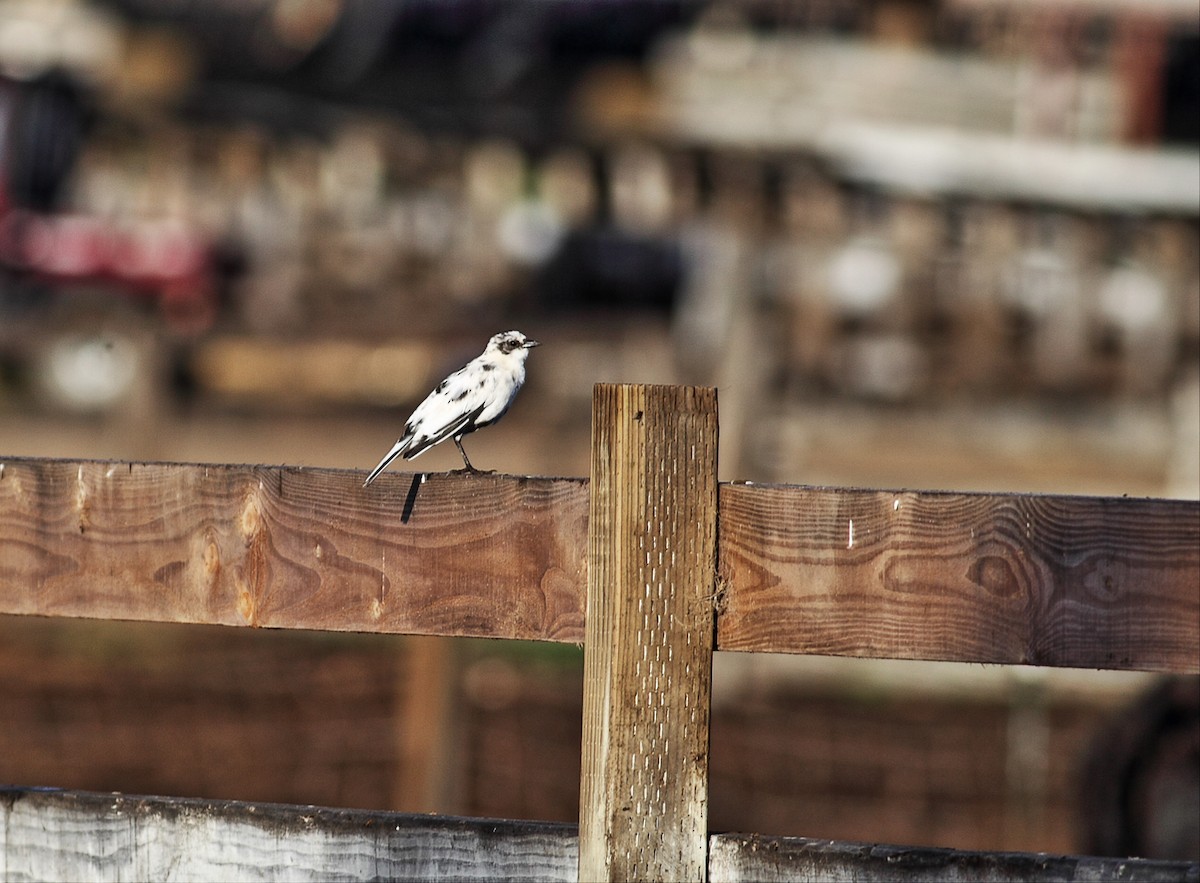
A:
(923, 243)
(948, 206)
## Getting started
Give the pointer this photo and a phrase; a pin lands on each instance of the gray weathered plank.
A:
(47, 834)
(72, 835)
(741, 858)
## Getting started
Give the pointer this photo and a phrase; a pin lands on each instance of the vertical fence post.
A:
(643, 811)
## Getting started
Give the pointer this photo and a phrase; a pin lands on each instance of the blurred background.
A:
(915, 243)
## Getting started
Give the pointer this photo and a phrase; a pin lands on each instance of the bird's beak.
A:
(530, 344)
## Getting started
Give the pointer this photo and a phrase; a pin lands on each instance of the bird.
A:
(476, 395)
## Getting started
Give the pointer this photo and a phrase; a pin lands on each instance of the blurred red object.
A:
(162, 262)
(53, 248)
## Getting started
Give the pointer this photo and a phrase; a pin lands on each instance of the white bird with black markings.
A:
(474, 396)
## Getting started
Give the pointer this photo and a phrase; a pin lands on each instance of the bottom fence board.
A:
(735, 858)
(52, 834)
(72, 835)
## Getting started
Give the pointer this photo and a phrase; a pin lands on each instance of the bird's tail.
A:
(396, 451)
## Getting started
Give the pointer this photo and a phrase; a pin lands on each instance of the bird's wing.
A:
(451, 408)
(424, 440)
(416, 440)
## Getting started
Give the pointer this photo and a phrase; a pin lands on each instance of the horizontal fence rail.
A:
(1087, 582)
(73, 835)
(286, 547)
(47, 834)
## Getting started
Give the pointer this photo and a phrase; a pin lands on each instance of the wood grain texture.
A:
(1046, 580)
(1085, 582)
(741, 858)
(72, 835)
(648, 654)
(481, 555)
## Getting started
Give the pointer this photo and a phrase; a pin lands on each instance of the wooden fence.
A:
(668, 567)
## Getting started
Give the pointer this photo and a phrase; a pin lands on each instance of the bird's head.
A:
(509, 342)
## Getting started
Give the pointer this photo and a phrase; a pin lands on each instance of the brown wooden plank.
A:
(740, 858)
(643, 804)
(482, 555)
(1086, 582)
(1049, 580)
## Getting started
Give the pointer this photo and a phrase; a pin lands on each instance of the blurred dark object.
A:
(608, 269)
(42, 126)
(1181, 91)
(473, 66)
(1141, 780)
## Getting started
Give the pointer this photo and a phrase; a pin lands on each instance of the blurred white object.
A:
(37, 36)
(1136, 307)
(88, 373)
(888, 367)
(864, 276)
(530, 232)
(1133, 300)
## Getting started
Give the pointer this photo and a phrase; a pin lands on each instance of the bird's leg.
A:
(462, 450)
(468, 466)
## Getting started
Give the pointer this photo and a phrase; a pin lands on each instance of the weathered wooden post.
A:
(643, 811)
